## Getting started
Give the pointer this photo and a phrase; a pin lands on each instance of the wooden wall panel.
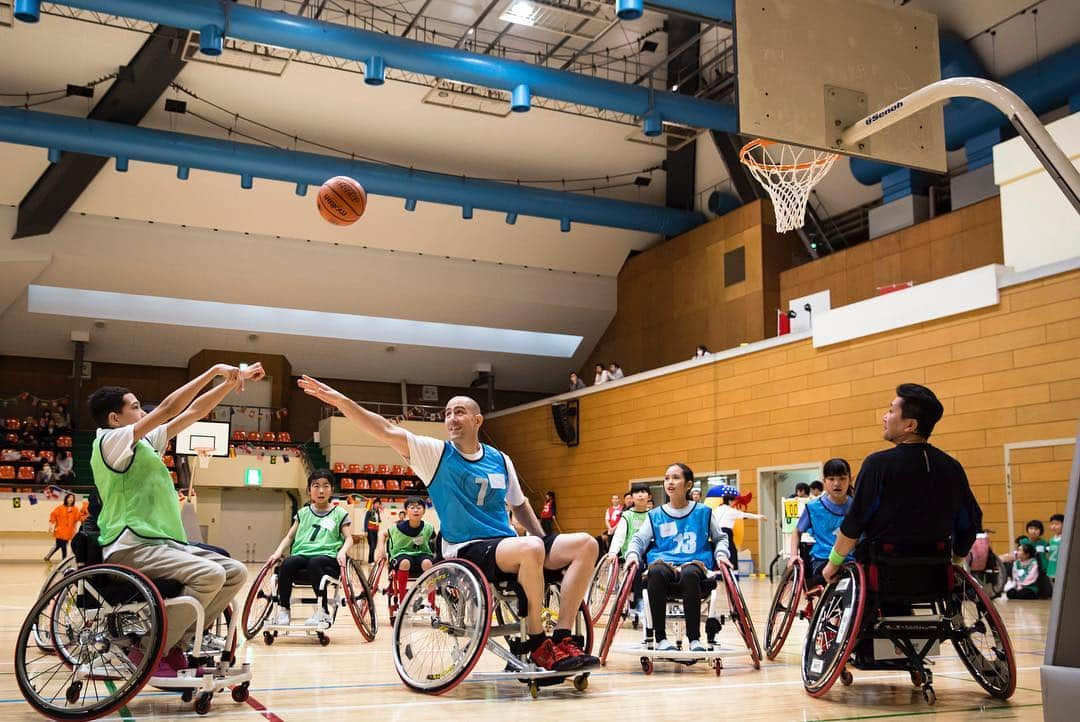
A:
(1004, 374)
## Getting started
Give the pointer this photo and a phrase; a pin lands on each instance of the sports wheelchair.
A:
(892, 610)
(787, 603)
(605, 580)
(94, 637)
(737, 613)
(986, 566)
(350, 590)
(452, 613)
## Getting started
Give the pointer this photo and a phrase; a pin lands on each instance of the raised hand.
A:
(321, 391)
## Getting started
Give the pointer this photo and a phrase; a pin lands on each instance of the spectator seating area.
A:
(377, 477)
(35, 451)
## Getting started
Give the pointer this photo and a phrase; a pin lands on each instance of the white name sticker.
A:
(669, 529)
(497, 481)
(816, 666)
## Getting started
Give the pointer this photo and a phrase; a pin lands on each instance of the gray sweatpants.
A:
(213, 580)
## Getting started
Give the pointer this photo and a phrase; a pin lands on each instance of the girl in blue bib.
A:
(821, 517)
(681, 542)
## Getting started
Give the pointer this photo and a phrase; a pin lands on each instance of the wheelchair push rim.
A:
(603, 583)
(259, 602)
(740, 614)
(434, 649)
(106, 653)
(375, 576)
(834, 630)
(983, 642)
(42, 637)
(783, 609)
(615, 617)
(359, 599)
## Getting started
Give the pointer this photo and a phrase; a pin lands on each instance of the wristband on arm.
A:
(836, 558)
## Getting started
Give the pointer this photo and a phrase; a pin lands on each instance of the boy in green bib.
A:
(318, 542)
(411, 547)
(1057, 521)
(139, 521)
(628, 525)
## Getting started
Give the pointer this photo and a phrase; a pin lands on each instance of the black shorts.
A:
(416, 561)
(482, 554)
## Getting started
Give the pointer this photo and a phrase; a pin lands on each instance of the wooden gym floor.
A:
(296, 680)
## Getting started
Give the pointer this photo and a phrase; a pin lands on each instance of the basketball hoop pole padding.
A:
(1027, 124)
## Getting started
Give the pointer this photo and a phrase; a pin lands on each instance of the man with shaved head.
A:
(470, 484)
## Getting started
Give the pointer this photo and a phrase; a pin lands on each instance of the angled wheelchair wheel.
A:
(615, 616)
(260, 601)
(41, 636)
(784, 608)
(834, 630)
(435, 647)
(360, 599)
(375, 576)
(107, 625)
(602, 585)
(740, 614)
(980, 637)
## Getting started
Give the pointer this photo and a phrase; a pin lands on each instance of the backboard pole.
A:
(1034, 133)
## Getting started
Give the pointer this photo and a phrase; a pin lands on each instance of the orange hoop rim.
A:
(747, 159)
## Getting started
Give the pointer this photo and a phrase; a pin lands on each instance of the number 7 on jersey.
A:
(482, 482)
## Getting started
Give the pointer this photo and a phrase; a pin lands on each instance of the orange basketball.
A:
(342, 200)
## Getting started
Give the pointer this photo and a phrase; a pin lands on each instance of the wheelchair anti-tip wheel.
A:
(360, 599)
(603, 584)
(436, 646)
(107, 625)
(615, 616)
(982, 643)
(740, 614)
(834, 630)
(260, 601)
(784, 608)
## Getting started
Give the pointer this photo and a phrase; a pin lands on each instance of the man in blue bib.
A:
(470, 484)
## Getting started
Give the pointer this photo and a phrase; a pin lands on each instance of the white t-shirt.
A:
(425, 452)
(726, 515)
(602, 378)
(118, 445)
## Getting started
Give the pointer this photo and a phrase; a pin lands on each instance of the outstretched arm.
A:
(393, 436)
(209, 401)
(179, 400)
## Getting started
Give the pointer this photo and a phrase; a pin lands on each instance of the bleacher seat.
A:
(347, 483)
(254, 436)
(64, 442)
(378, 484)
(28, 454)
(11, 424)
(25, 473)
(284, 437)
(383, 469)
(409, 471)
(7, 471)
(406, 483)
(392, 485)
(363, 484)
(369, 469)
(269, 436)
(238, 436)
(339, 468)
(354, 468)
(49, 456)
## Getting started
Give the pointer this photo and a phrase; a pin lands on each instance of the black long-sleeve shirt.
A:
(913, 492)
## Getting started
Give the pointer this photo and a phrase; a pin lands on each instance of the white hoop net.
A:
(204, 455)
(788, 173)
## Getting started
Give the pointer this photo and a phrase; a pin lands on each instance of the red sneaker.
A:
(575, 657)
(163, 669)
(547, 655)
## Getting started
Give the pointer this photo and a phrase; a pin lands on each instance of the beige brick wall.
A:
(1004, 374)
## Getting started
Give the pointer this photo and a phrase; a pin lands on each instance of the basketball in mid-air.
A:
(342, 200)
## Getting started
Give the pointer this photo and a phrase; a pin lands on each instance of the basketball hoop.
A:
(788, 173)
(203, 453)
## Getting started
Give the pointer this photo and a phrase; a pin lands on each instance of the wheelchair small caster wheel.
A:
(916, 679)
(646, 665)
(74, 691)
(845, 677)
(929, 696)
(581, 682)
(241, 692)
(186, 696)
(534, 690)
(268, 638)
(202, 703)
(323, 639)
(718, 666)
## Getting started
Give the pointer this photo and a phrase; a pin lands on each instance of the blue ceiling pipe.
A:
(129, 143)
(289, 31)
(1043, 86)
(717, 10)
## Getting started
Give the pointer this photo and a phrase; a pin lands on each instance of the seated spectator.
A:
(45, 474)
(65, 467)
(10, 455)
(816, 489)
(602, 375)
(61, 418)
(615, 370)
(700, 352)
(1025, 574)
(575, 382)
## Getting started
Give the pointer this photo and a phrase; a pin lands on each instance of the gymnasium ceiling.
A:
(305, 97)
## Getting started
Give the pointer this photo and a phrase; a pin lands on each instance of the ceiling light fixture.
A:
(521, 12)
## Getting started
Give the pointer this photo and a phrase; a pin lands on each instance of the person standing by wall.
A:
(372, 522)
(547, 514)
